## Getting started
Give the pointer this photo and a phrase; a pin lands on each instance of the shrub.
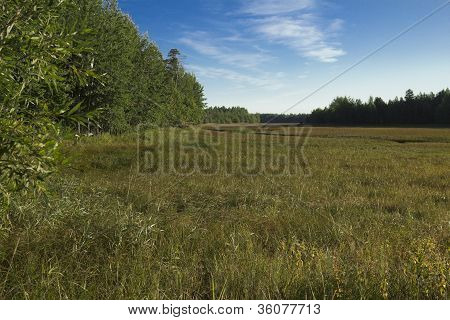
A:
(40, 66)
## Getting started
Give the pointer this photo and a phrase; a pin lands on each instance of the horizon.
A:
(267, 55)
(398, 97)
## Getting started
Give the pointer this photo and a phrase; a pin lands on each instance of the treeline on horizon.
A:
(224, 115)
(282, 118)
(421, 109)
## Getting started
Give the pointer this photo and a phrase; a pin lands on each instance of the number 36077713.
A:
(288, 308)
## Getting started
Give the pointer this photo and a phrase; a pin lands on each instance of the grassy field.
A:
(369, 220)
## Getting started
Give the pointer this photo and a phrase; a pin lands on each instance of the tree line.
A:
(138, 85)
(230, 115)
(224, 115)
(421, 109)
(282, 118)
(67, 63)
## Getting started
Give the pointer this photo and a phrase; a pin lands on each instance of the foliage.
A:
(230, 115)
(38, 68)
(64, 61)
(443, 110)
(422, 109)
(139, 85)
(282, 118)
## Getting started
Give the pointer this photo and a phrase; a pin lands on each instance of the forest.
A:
(223, 115)
(421, 109)
(283, 118)
(69, 64)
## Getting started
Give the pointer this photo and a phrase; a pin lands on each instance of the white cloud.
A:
(262, 80)
(325, 53)
(274, 7)
(201, 42)
(294, 24)
(300, 33)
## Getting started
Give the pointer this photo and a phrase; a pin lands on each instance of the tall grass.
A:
(370, 222)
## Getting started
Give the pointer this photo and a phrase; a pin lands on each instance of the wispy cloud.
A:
(202, 43)
(301, 33)
(336, 25)
(241, 80)
(274, 7)
(242, 55)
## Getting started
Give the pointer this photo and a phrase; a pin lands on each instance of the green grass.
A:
(371, 221)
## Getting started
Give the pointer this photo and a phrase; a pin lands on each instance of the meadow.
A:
(364, 215)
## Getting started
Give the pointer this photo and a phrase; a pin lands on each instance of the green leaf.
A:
(74, 109)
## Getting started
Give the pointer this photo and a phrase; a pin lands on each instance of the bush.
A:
(39, 69)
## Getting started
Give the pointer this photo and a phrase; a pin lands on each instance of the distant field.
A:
(365, 217)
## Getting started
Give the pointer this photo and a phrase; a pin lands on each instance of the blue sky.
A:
(266, 55)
